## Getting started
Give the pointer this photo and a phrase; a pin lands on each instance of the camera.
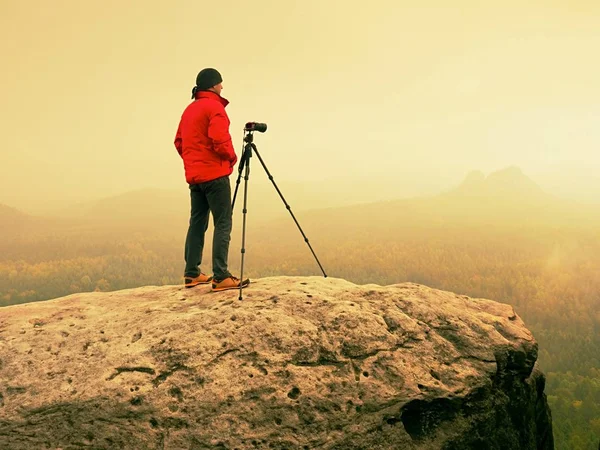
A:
(256, 126)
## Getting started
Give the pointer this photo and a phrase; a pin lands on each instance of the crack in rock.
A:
(120, 370)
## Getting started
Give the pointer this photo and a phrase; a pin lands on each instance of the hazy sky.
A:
(380, 90)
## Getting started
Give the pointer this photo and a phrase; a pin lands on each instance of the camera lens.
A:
(256, 126)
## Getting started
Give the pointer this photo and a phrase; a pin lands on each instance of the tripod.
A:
(245, 166)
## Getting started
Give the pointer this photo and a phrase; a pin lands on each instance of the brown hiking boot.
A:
(200, 279)
(229, 283)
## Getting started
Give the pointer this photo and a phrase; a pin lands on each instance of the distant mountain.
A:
(503, 198)
(158, 207)
(509, 196)
(167, 209)
(15, 223)
(12, 220)
(136, 207)
(8, 211)
(510, 183)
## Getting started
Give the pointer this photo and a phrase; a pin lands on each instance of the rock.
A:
(300, 363)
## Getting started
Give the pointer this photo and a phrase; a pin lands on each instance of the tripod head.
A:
(250, 128)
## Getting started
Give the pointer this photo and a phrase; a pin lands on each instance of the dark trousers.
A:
(210, 197)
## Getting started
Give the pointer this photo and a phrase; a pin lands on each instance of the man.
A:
(204, 143)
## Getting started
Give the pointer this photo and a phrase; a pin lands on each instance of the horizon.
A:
(265, 185)
(501, 193)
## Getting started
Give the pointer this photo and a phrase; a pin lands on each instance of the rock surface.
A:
(300, 363)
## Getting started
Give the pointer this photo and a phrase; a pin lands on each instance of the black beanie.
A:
(208, 78)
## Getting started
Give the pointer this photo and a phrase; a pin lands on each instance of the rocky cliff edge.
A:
(300, 363)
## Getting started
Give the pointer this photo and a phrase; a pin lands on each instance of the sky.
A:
(388, 98)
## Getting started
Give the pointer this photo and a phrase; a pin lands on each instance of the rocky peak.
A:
(299, 363)
(509, 182)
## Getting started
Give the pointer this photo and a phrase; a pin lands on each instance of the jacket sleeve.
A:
(178, 140)
(218, 132)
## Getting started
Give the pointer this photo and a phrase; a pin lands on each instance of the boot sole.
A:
(193, 285)
(244, 285)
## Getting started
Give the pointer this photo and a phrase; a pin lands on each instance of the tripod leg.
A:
(244, 211)
(288, 207)
(243, 161)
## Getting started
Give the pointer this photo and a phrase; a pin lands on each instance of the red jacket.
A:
(203, 139)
